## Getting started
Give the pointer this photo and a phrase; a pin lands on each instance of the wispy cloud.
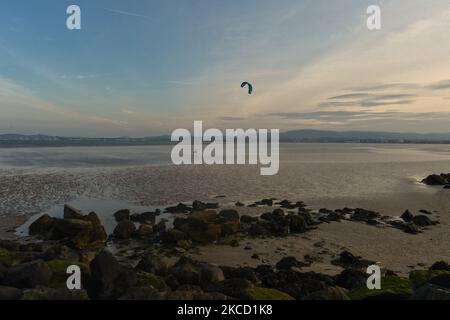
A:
(231, 118)
(129, 14)
(79, 76)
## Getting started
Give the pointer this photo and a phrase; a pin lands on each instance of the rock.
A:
(185, 272)
(28, 275)
(432, 292)
(425, 212)
(145, 279)
(43, 294)
(210, 274)
(124, 230)
(239, 204)
(160, 227)
(144, 232)
(153, 264)
(145, 217)
(240, 272)
(200, 206)
(173, 236)
(442, 280)
(72, 213)
(7, 258)
(42, 226)
(248, 219)
(266, 294)
(122, 215)
(180, 208)
(329, 293)
(229, 215)
(437, 180)
(387, 296)
(200, 226)
(10, 245)
(407, 216)
(109, 280)
(351, 279)
(411, 228)
(60, 252)
(229, 228)
(347, 258)
(3, 271)
(422, 221)
(235, 288)
(258, 230)
(392, 288)
(141, 293)
(297, 224)
(364, 215)
(440, 265)
(419, 277)
(80, 234)
(9, 293)
(287, 263)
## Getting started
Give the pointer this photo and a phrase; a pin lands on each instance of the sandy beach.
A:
(389, 188)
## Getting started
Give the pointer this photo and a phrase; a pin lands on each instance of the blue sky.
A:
(140, 68)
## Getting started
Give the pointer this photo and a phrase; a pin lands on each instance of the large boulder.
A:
(153, 264)
(124, 230)
(72, 213)
(186, 272)
(201, 227)
(78, 230)
(109, 280)
(80, 234)
(28, 275)
(42, 226)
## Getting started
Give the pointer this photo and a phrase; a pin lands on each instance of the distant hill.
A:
(19, 140)
(361, 136)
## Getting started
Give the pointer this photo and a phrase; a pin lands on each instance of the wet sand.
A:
(375, 181)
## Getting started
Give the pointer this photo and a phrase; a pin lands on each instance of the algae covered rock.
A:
(393, 286)
(258, 293)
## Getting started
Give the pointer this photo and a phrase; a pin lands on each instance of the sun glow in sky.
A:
(140, 68)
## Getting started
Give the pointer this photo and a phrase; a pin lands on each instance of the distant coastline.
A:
(294, 136)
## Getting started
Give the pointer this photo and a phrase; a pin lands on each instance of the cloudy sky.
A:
(141, 68)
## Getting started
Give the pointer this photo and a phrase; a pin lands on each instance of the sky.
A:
(141, 68)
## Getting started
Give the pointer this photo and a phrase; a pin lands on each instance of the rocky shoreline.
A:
(154, 263)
